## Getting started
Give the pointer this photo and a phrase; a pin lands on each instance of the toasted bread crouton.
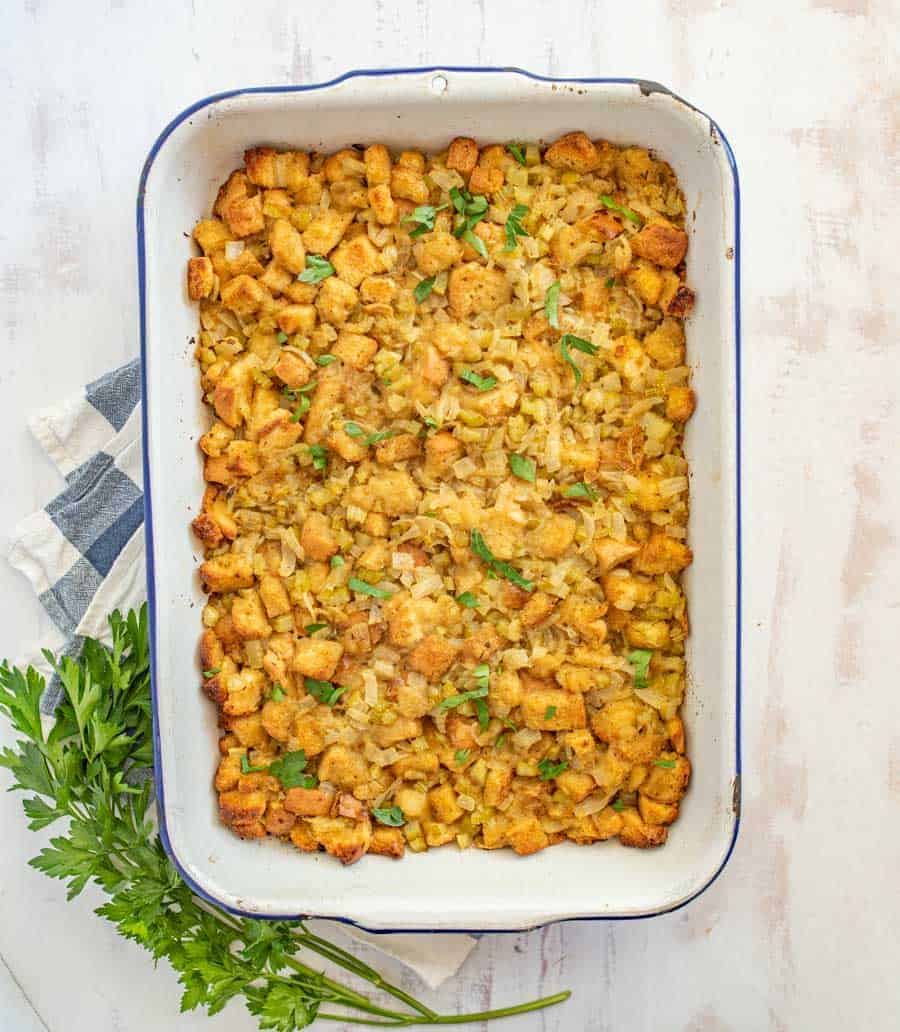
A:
(355, 349)
(551, 539)
(662, 554)
(660, 243)
(291, 369)
(323, 234)
(336, 300)
(286, 246)
(432, 657)
(638, 834)
(249, 616)
(201, 278)
(317, 657)
(553, 709)
(573, 152)
(356, 259)
(631, 727)
(680, 404)
(436, 252)
(343, 767)
(308, 802)
(474, 288)
(665, 345)
(462, 155)
(387, 842)
(526, 836)
(345, 839)
(227, 572)
(444, 806)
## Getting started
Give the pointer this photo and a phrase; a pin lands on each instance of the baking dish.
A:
(439, 890)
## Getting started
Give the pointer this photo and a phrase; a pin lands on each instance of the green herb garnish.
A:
(461, 755)
(355, 584)
(289, 770)
(319, 455)
(514, 228)
(325, 360)
(311, 628)
(336, 561)
(640, 661)
(353, 429)
(551, 304)
(277, 693)
(247, 769)
(497, 566)
(518, 152)
(581, 490)
(468, 599)
(382, 435)
(424, 216)
(475, 242)
(392, 816)
(317, 269)
(471, 210)
(548, 769)
(457, 700)
(569, 341)
(549, 713)
(522, 468)
(301, 410)
(207, 674)
(432, 423)
(482, 383)
(610, 283)
(281, 337)
(622, 210)
(618, 806)
(324, 691)
(500, 739)
(71, 766)
(668, 764)
(423, 288)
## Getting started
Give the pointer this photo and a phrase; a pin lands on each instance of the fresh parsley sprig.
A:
(498, 566)
(89, 770)
(513, 226)
(632, 216)
(569, 341)
(471, 209)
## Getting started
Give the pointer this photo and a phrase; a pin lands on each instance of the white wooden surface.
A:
(801, 930)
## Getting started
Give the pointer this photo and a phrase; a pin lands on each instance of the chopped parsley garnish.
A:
(392, 816)
(640, 661)
(514, 228)
(622, 210)
(281, 337)
(336, 561)
(581, 490)
(207, 674)
(482, 383)
(277, 693)
(611, 282)
(549, 713)
(618, 806)
(301, 409)
(468, 600)
(311, 628)
(470, 211)
(500, 740)
(423, 289)
(324, 691)
(360, 586)
(522, 468)
(497, 566)
(319, 455)
(461, 755)
(292, 393)
(324, 360)
(289, 770)
(548, 769)
(551, 304)
(247, 769)
(452, 701)
(424, 216)
(317, 269)
(382, 435)
(569, 341)
(668, 764)
(432, 423)
(518, 152)
(353, 430)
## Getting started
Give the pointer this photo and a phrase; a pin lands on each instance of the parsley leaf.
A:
(301, 410)
(311, 628)
(317, 269)
(392, 816)
(424, 216)
(668, 764)
(423, 289)
(548, 769)
(353, 429)
(461, 755)
(568, 341)
(363, 588)
(518, 152)
(610, 282)
(324, 691)
(247, 769)
(281, 337)
(471, 210)
(482, 383)
(452, 701)
(325, 360)
(640, 661)
(622, 210)
(549, 713)
(475, 242)
(207, 674)
(468, 599)
(581, 490)
(382, 435)
(551, 304)
(277, 693)
(289, 770)
(319, 455)
(497, 566)
(336, 561)
(522, 468)
(513, 226)
(618, 806)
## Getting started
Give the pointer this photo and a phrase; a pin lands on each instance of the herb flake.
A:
(392, 816)
(640, 663)
(364, 588)
(423, 289)
(481, 383)
(317, 269)
(324, 691)
(522, 467)
(551, 304)
(513, 226)
(632, 216)
(548, 769)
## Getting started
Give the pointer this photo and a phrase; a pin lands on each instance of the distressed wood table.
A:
(801, 930)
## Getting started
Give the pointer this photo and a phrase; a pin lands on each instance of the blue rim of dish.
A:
(646, 87)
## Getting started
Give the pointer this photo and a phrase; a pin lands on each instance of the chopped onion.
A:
(526, 738)
(370, 686)
(593, 804)
(427, 585)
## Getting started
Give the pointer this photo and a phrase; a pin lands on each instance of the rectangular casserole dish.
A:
(440, 890)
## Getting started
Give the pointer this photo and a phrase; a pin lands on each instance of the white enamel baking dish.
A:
(442, 889)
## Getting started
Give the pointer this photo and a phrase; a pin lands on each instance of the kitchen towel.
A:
(84, 555)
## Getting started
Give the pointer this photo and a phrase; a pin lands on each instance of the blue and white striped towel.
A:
(84, 556)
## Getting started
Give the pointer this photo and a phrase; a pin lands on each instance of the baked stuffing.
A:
(447, 500)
